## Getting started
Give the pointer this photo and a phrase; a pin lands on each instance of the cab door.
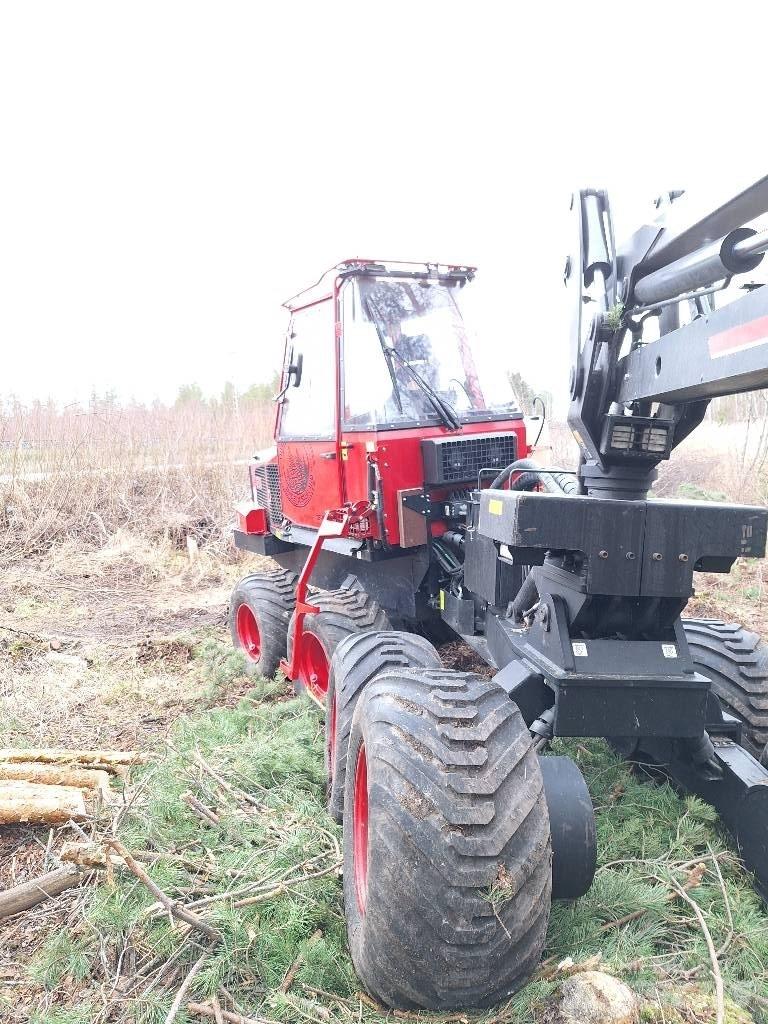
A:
(308, 451)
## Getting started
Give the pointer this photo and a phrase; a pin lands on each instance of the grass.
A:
(100, 538)
(275, 846)
(161, 471)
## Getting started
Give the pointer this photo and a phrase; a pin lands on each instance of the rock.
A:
(593, 997)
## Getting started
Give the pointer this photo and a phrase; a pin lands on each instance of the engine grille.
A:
(266, 486)
(459, 460)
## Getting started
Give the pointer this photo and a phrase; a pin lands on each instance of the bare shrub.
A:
(162, 472)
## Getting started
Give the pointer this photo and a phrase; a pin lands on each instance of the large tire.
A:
(736, 660)
(447, 856)
(260, 609)
(358, 659)
(342, 612)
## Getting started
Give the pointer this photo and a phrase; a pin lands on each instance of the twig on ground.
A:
(235, 792)
(207, 1010)
(200, 809)
(173, 908)
(621, 921)
(549, 969)
(728, 911)
(292, 971)
(265, 884)
(216, 1007)
(285, 887)
(184, 988)
(693, 880)
(332, 996)
(307, 1008)
(137, 791)
(371, 1003)
(235, 1005)
(718, 978)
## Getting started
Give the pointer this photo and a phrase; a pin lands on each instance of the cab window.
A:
(308, 410)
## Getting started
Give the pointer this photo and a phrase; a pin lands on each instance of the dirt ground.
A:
(98, 645)
(98, 652)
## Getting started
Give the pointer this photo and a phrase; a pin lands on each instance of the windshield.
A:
(409, 356)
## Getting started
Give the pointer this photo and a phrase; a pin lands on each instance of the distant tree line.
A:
(525, 394)
(230, 397)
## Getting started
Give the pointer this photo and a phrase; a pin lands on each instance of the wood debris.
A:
(113, 761)
(35, 803)
(57, 775)
(29, 894)
(51, 786)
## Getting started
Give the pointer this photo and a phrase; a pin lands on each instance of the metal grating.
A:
(266, 483)
(451, 461)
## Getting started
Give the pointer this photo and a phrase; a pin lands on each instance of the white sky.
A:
(170, 172)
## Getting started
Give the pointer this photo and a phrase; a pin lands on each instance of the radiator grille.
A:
(266, 485)
(459, 460)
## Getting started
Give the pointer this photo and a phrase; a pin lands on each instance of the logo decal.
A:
(299, 480)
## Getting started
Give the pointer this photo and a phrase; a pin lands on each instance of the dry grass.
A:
(161, 473)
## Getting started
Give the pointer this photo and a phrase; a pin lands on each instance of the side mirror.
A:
(293, 375)
(295, 369)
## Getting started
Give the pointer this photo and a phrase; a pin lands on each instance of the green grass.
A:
(85, 1013)
(271, 749)
(62, 956)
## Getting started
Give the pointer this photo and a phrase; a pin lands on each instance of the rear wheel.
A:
(342, 612)
(358, 660)
(447, 858)
(736, 660)
(260, 609)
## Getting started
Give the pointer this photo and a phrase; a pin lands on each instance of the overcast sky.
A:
(170, 172)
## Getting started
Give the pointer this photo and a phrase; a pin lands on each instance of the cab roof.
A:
(323, 287)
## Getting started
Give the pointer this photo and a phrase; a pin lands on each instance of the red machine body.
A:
(309, 479)
(342, 463)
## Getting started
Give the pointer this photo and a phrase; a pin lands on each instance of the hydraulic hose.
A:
(525, 598)
(557, 481)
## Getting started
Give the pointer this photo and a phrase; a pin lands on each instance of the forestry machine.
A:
(401, 506)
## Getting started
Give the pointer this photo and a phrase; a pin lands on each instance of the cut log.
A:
(113, 761)
(29, 894)
(57, 775)
(38, 804)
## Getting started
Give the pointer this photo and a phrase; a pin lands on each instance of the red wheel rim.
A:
(360, 828)
(248, 632)
(313, 666)
(331, 736)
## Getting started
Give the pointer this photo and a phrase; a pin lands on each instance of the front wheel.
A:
(260, 609)
(447, 856)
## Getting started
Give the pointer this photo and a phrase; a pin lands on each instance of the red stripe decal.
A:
(736, 339)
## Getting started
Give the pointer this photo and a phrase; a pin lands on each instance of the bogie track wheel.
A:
(736, 660)
(358, 660)
(260, 609)
(342, 612)
(447, 856)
